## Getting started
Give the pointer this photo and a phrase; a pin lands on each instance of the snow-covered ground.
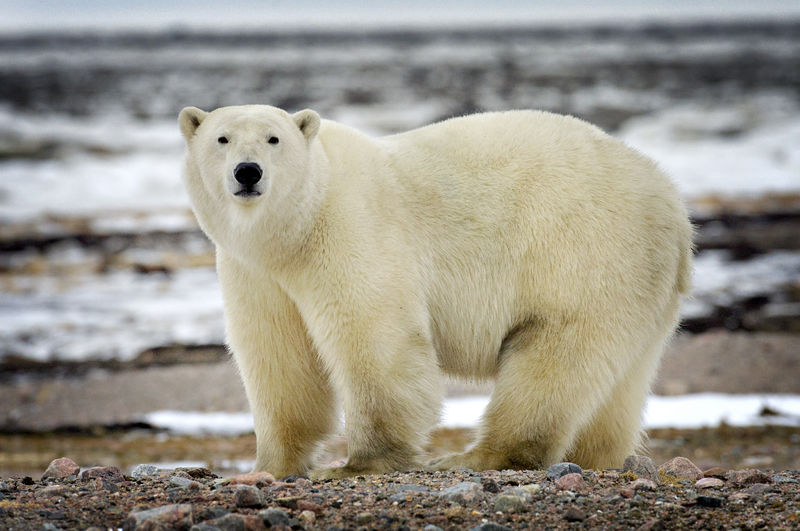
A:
(685, 411)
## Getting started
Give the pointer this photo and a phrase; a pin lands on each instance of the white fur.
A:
(523, 246)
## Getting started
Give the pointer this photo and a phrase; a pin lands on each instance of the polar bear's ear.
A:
(308, 122)
(190, 119)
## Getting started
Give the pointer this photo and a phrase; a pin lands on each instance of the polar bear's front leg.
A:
(288, 390)
(390, 384)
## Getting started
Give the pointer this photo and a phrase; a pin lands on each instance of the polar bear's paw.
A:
(475, 460)
(377, 466)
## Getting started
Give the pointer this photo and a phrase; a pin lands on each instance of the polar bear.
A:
(525, 247)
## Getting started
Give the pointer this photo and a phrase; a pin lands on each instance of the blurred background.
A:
(111, 326)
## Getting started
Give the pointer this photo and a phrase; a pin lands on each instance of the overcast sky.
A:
(29, 15)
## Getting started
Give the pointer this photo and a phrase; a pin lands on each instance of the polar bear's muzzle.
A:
(247, 174)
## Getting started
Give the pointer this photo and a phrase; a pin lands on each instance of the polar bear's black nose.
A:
(247, 173)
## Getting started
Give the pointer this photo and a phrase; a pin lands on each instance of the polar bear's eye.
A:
(273, 140)
(223, 140)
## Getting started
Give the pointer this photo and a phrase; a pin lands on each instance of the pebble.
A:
(464, 493)
(307, 517)
(642, 466)
(52, 490)
(681, 468)
(274, 517)
(248, 496)
(573, 482)
(643, 484)
(527, 491)
(490, 526)
(61, 468)
(574, 515)
(144, 471)
(431, 527)
(290, 502)
(412, 487)
(562, 469)
(747, 476)
(715, 472)
(177, 516)
(111, 473)
(184, 483)
(709, 483)
(508, 503)
(709, 501)
(258, 479)
(233, 522)
(4, 487)
(364, 518)
(490, 485)
(307, 505)
(105, 484)
(758, 489)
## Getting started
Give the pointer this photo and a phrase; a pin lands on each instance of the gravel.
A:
(457, 499)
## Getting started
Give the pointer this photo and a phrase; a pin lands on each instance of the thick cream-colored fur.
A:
(522, 246)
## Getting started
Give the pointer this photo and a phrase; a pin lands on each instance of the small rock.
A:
(27, 480)
(248, 496)
(233, 522)
(747, 476)
(431, 527)
(574, 515)
(527, 491)
(274, 517)
(654, 524)
(643, 484)
(307, 517)
(627, 493)
(509, 504)
(642, 466)
(111, 473)
(490, 485)
(106, 485)
(257, 479)
(47, 526)
(52, 490)
(709, 483)
(178, 516)
(412, 487)
(490, 526)
(757, 490)
(61, 468)
(709, 501)
(199, 472)
(184, 483)
(291, 478)
(4, 487)
(144, 471)
(573, 482)
(306, 505)
(681, 468)
(202, 526)
(364, 518)
(715, 472)
(290, 502)
(464, 493)
(562, 469)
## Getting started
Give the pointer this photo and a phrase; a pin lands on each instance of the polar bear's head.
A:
(240, 152)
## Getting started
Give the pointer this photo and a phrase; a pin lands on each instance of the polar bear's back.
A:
(532, 213)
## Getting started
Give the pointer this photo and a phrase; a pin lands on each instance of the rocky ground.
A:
(640, 495)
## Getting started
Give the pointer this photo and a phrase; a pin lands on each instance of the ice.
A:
(746, 149)
(114, 316)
